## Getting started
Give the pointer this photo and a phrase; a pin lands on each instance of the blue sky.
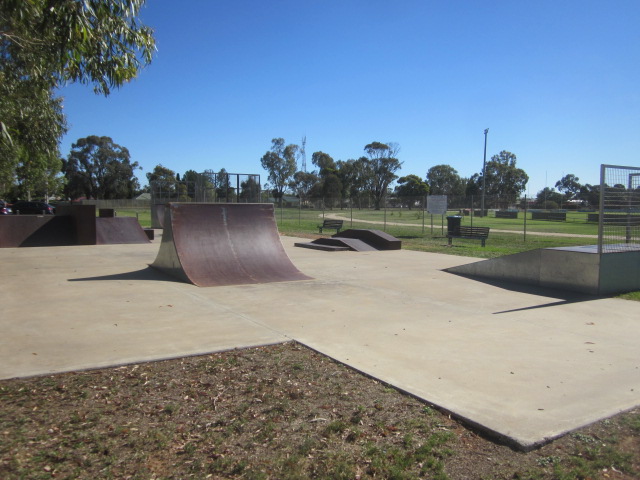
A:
(556, 82)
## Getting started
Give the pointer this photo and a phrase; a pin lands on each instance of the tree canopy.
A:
(379, 168)
(569, 185)
(502, 176)
(411, 186)
(45, 44)
(444, 180)
(280, 163)
(101, 169)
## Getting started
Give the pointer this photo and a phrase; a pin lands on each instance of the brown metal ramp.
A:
(35, 231)
(352, 244)
(116, 230)
(223, 244)
(376, 238)
(357, 240)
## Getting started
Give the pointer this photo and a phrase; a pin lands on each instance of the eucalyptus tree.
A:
(503, 177)
(280, 164)
(444, 180)
(45, 45)
(411, 189)
(379, 167)
(303, 183)
(99, 168)
(569, 185)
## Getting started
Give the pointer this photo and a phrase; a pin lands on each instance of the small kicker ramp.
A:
(578, 269)
(223, 244)
(358, 240)
(119, 230)
(338, 244)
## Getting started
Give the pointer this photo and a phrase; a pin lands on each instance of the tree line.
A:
(373, 174)
(98, 168)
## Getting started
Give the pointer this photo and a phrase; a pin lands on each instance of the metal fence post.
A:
(526, 204)
(424, 207)
(385, 213)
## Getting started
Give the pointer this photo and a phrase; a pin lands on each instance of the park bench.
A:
(470, 233)
(331, 224)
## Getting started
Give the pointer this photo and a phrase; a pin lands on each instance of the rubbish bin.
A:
(453, 224)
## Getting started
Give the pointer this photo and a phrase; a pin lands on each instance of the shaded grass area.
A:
(277, 412)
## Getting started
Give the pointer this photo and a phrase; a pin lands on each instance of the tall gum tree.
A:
(380, 167)
(503, 177)
(280, 164)
(46, 44)
(101, 169)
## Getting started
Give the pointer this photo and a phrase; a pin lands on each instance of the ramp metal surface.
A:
(324, 248)
(353, 244)
(223, 244)
(116, 230)
(35, 231)
(376, 238)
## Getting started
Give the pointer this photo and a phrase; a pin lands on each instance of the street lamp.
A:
(484, 176)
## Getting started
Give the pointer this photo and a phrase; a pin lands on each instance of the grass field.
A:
(576, 223)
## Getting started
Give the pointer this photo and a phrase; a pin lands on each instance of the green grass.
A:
(576, 223)
(143, 215)
(631, 296)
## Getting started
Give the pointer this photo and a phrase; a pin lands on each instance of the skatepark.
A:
(523, 363)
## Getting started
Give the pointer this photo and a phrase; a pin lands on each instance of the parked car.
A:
(22, 207)
(5, 208)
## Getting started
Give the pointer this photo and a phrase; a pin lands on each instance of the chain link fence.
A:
(504, 214)
(208, 187)
(619, 223)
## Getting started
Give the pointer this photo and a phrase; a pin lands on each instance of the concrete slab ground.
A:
(524, 364)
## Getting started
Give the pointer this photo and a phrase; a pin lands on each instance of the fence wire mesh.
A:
(208, 187)
(619, 216)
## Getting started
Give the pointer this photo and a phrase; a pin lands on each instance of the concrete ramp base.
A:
(578, 269)
(223, 244)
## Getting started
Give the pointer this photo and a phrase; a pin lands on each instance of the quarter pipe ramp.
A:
(223, 244)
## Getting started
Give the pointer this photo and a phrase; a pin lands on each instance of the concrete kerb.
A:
(525, 366)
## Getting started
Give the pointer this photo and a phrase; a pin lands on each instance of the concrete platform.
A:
(578, 269)
(525, 364)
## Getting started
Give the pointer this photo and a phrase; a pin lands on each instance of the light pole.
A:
(484, 176)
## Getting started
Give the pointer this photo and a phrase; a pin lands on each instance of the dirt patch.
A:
(281, 411)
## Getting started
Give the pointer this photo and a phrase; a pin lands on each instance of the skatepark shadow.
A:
(145, 274)
(563, 297)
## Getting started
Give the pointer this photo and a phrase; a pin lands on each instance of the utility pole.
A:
(303, 154)
(484, 172)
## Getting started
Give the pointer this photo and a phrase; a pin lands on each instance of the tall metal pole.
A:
(484, 172)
